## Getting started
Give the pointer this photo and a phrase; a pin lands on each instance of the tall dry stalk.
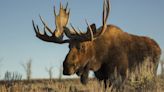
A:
(60, 72)
(50, 72)
(0, 65)
(27, 67)
(162, 65)
(162, 68)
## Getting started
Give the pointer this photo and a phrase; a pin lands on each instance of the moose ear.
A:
(93, 27)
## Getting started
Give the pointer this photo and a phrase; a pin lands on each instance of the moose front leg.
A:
(83, 73)
(84, 77)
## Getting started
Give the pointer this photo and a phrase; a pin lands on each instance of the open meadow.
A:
(74, 85)
(141, 80)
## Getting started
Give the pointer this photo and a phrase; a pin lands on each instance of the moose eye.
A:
(82, 48)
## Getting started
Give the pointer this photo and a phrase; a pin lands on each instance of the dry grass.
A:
(142, 80)
(74, 85)
(65, 85)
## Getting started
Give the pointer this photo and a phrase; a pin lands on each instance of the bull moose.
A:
(102, 49)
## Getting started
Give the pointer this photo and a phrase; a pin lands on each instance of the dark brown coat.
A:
(114, 49)
(101, 50)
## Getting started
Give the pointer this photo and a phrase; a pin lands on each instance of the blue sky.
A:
(18, 42)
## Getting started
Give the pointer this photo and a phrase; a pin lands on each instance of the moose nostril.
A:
(65, 73)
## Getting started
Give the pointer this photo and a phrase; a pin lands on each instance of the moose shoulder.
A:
(101, 50)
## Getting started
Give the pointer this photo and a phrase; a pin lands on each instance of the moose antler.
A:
(106, 10)
(89, 36)
(61, 21)
(78, 36)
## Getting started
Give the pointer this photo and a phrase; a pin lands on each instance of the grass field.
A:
(141, 80)
(74, 85)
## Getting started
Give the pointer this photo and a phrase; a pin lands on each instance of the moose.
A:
(101, 50)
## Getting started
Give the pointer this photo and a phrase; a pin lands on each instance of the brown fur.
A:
(115, 49)
(112, 49)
